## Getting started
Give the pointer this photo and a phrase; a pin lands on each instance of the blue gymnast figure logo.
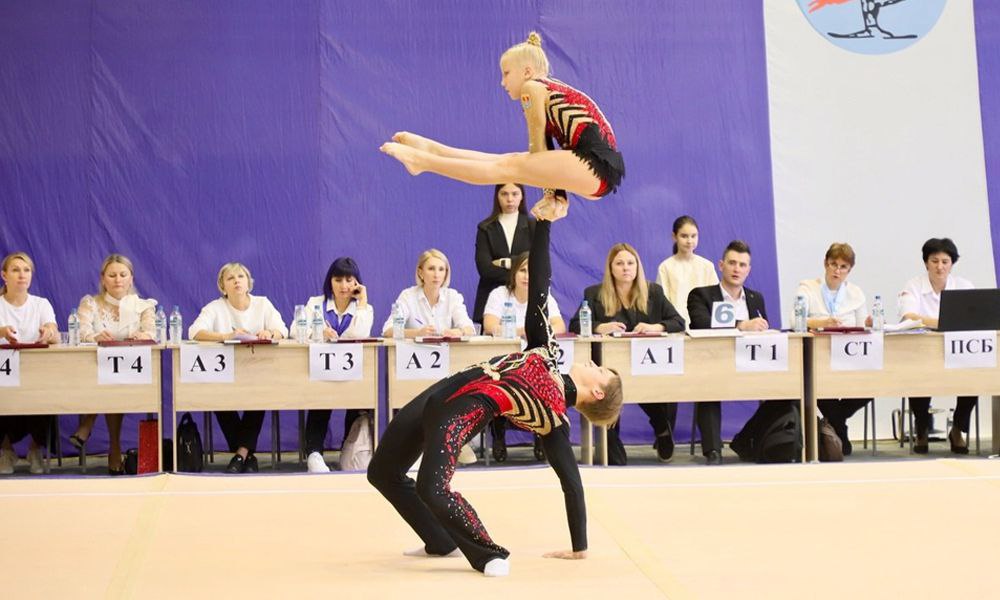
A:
(873, 26)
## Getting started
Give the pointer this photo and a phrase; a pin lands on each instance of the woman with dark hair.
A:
(684, 270)
(345, 308)
(625, 302)
(920, 300)
(505, 233)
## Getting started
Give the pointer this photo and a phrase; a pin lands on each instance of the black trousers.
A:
(710, 422)
(838, 411)
(963, 412)
(662, 418)
(318, 421)
(19, 426)
(437, 428)
(241, 432)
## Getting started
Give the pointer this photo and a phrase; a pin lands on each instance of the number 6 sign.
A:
(723, 315)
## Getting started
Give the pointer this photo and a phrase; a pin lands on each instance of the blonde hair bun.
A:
(534, 39)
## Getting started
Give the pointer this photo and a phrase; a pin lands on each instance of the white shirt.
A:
(499, 295)
(740, 311)
(678, 277)
(919, 297)
(449, 313)
(851, 308)
(361, 320)
(219, 316)
(508, 222)
(26, 319)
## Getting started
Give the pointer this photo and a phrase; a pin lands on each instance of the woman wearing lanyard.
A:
(834, 302)
(347, 314)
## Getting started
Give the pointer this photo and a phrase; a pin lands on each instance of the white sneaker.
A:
(7, 461)
(36, 465)
(316, 464)
(498, 567)
(467, 456)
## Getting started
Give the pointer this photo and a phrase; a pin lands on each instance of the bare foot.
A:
(405, 154)
(414, 141)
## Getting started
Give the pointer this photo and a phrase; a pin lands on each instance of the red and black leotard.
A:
(577, 124)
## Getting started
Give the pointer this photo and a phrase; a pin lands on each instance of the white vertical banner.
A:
(875, 123)
(10, 368)
(970, 350)
(658, 356)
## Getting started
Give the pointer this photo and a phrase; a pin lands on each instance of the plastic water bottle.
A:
(176, 326)
(161, 325)
(801, 311)
(398, 323)
(317, 325)
(73, 326)
(508, 329)
(878, 314)
(586, 320)
(301, 331)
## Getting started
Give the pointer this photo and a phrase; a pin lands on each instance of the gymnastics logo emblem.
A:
(873, 26)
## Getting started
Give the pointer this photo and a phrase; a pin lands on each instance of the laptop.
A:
(969, 310)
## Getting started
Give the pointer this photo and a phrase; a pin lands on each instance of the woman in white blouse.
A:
(685, 270)
(515, 292)
(24, 319)
(921, 300)
(238, 315)
(116, 312)
(347, 314)
(431, 308)
(833, 301)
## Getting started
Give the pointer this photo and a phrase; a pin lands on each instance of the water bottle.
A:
(508, 325)
(878, 314)
(161, 325)
(73, 326)
(801, 311)
(398, 323)
(301, 332)
(586, 320)
(176, 325)
(317, 325)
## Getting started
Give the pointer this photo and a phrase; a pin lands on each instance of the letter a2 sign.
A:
(422, 361)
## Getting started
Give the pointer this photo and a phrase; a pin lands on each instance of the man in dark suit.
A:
(750, 314)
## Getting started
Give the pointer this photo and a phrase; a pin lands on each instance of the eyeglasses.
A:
(838, 267)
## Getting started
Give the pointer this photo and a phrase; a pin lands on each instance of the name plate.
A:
(567, 355)
(970, 350)
(767, 352)
(124, 365)
(207, 364)
(662, 356)
(723, 315)
(859, 352)
(336, 362)
(422, 361)
(10, 368)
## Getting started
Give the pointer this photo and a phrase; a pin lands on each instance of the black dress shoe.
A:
(116, 472)
(499, 448)
(251, 464)
(539, 449)
(955, 448)
(664, 445)
(920, 445)
(237, 465)
(713, 458)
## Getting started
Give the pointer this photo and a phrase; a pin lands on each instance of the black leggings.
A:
(922, 418)
(437, 428)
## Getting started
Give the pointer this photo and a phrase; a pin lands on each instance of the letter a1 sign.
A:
(207, 363)
(970, 350)
(762, 352)
(422, 361)
(662, 356)
(124, 365)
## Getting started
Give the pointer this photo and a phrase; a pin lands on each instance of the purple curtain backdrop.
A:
(988, 51)
(189, 134)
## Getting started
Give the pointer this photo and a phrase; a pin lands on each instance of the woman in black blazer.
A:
(505, 233)
(625, 302)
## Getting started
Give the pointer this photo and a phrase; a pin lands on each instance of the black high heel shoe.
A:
(920, 446)
(499, 448)
(955, 448)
